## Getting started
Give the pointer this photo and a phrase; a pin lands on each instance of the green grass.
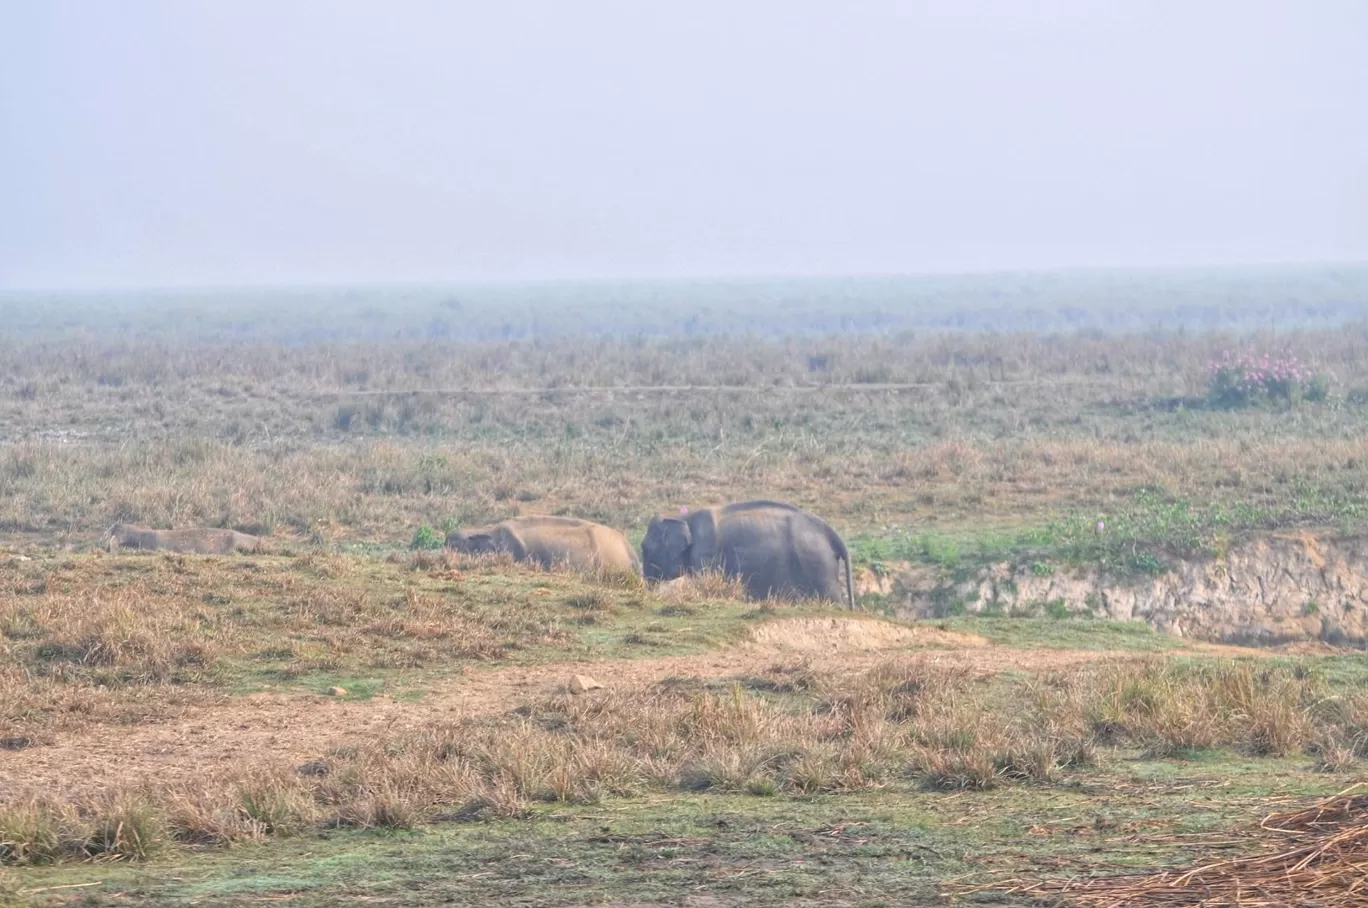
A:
(1143, 532)
(1052, 633)
(894, 846)
(356, 688)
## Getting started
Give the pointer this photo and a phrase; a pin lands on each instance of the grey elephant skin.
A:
(551, 541)
(197, 540)
(776, 549)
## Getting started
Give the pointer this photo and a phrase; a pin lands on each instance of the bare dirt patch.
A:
(822, 635)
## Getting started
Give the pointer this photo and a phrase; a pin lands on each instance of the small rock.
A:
(337, 691)
(581, 683)
(312, 768)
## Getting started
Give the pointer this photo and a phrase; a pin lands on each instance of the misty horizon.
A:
(157, 145)
(1235, 271)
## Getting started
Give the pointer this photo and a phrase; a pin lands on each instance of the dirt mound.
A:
(824, 635)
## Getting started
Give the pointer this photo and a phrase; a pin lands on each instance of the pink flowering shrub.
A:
(1238, 379)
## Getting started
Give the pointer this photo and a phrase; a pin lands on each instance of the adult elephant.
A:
(551, 541)
(774, 548)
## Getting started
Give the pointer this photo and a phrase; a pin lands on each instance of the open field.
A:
(351, 717)
(164, 707)
(172, 736)
(1116, 300)
(963, 435)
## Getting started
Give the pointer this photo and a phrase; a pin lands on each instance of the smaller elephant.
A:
(551, 541)
(198, 540)
(774, 548)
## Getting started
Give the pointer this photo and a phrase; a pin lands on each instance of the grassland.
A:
(350, 718)
(162, 709)
(964, 435)
(361, 446)
(1115, 301)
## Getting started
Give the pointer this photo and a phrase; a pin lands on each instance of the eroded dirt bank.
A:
(1276, 589)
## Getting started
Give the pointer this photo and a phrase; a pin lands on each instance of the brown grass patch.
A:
(909, 718)
(92, 637)
(705, 586)
(1318, 857)
(1169, 708)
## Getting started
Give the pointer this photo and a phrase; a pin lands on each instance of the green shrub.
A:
(427, 538)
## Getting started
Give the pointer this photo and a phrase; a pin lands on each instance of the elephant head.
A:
(472, 544)
(675, 546)
(666, 550)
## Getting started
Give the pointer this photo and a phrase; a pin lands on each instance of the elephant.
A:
(775, 549)
(200, 540)
(551, 541)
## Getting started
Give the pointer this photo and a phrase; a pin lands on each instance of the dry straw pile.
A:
(1320, 858)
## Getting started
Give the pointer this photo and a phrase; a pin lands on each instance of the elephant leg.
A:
(743, 565)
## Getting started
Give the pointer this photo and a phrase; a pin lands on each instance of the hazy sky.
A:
(264, 141)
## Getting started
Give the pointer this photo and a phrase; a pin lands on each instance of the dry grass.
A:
(121, 368)
(907, 720)
(1319, 859)
(320, 445)
(118, 639)
(1166, 708)
(119, 826)
(264, 439)
(11, 893)
(380, 491)
(701, 587)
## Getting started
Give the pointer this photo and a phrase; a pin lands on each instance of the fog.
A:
(267, 142)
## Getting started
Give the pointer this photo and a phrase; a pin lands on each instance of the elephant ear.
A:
(703, 535)
(506, 540)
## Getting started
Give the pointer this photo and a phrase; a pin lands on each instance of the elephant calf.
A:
(551, 541)
(199, 540)
(774, 548)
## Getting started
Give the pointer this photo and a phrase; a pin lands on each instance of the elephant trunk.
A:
(843, 554)
(850, 581)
